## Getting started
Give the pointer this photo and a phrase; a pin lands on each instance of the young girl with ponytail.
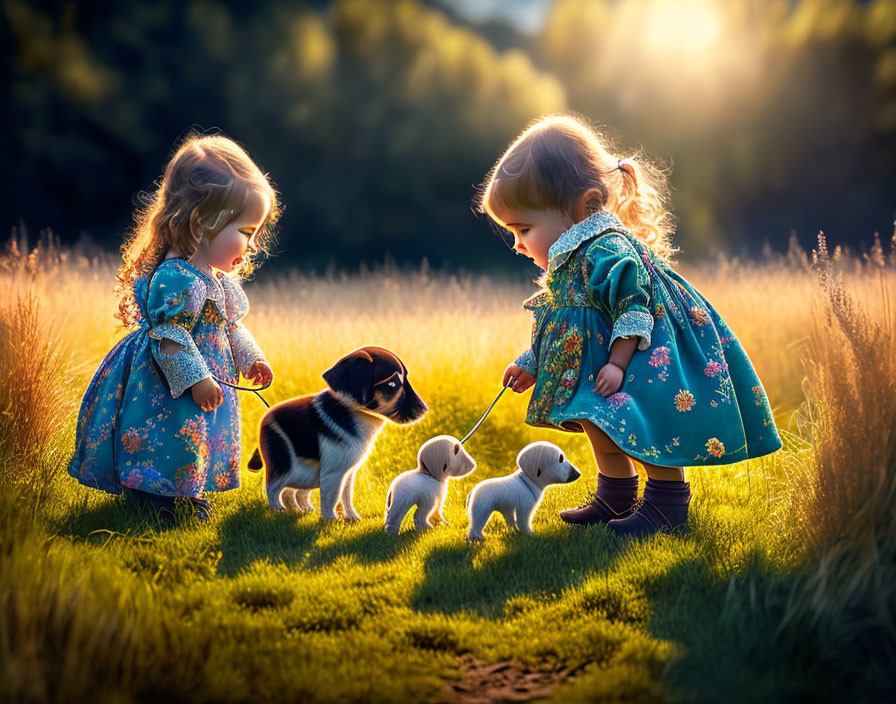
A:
(623, 347)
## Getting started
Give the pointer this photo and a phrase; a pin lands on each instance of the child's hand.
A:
(522, 379)
(260, 373)
(207, 394)
(609, 379)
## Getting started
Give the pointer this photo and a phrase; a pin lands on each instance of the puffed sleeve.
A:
(176, 298)
(619, 285)
(243, 345)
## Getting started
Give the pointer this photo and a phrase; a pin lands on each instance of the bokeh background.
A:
(377, 120)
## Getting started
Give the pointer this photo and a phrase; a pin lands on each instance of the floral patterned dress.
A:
(690, 395)
(139, 426)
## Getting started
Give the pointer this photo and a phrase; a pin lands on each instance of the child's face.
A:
(230, 245)
(534, 231)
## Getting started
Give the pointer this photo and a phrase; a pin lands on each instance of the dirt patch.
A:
(506, 681)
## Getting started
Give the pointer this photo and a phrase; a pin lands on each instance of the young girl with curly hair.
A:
(154, 420)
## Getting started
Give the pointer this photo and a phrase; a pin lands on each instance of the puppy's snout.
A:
(573, 475)
(412, 407)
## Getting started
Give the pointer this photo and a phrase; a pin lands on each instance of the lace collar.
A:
(592, 226)
(214, 287)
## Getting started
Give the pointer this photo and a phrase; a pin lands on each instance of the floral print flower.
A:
(572, 343)
(699, 316)
(618, 400)
(757, 392)
(224, 480)
(132, 441)
(715, 447)
(684, 400)
(659, 311)
(659, 357)
(713, 368)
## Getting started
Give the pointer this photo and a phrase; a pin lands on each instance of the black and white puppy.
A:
(321, 440)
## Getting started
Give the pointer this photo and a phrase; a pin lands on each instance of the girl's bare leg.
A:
(664, 474)
(613, 462)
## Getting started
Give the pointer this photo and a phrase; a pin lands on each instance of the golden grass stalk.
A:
(845, 603)
(35, 400)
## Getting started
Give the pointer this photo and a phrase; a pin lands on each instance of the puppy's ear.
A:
(445, 468)
(353, 375)
(538, 473)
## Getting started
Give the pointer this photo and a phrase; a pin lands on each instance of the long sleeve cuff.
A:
(245, 349)
(527, 362)
(633, 322)
(183, 368)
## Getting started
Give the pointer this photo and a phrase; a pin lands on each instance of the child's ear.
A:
(590, 202)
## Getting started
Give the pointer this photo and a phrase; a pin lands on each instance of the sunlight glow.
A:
(692, 27)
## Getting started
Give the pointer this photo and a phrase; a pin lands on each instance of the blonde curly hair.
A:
(205, 186)
(560, 158)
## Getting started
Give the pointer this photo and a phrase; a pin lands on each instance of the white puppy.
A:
(439, 459)
(518, 495)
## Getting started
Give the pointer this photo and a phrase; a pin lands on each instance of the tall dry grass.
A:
(845, 606)
(36, 399)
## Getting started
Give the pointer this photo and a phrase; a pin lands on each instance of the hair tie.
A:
(622, 162)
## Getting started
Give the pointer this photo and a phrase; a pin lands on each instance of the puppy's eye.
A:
(456, 448)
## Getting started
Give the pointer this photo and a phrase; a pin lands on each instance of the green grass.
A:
(99, 602)
(261, 605)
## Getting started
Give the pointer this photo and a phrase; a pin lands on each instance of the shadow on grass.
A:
(470, 578)
(372, 545)
(120, 514)
(255, 533)
(737, 619)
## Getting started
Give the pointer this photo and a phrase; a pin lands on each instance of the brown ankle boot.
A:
(597, 511)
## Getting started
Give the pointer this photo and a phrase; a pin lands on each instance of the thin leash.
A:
(488, 410)
(246, 388)
(265, 386)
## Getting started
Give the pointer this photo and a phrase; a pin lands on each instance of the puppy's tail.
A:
(255, 461)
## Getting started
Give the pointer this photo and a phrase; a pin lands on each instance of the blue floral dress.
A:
(137, 427)
(690, 395)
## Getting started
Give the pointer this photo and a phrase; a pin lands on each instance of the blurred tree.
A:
(376, 119)
(777, 115)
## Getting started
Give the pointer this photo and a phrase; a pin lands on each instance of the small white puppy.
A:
(438, 459)
(518, 495)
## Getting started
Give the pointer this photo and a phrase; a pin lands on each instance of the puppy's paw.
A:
(475, 538)
(352, 517)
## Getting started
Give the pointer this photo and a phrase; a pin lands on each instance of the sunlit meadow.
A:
(784, 589)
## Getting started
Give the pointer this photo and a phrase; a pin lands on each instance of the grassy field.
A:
(785, 589)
